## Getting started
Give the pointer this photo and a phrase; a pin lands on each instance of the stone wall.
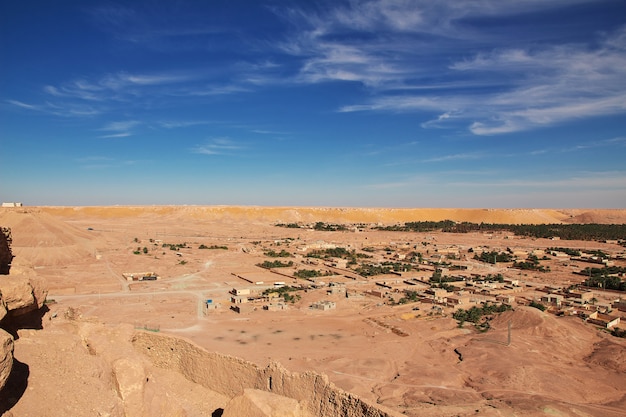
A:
(230, 376)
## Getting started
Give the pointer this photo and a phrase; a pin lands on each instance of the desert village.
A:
(426, 323)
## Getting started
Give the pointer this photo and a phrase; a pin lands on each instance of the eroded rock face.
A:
(21, 294)
(5, 250)
(6, 357)
(130, 379)
(231, 376)
(257, 403)
(3, 307)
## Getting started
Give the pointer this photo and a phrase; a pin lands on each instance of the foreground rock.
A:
(80, 368)
(6, 357)
(257, 403)
(21, 294)
(6, 256)
(231, 376)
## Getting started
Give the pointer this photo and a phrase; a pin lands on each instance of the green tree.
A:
(537, 305)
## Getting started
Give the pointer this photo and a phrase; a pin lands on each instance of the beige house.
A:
(458, 300)
(240, 291)
(552, 299)
(275, 307)
(582, 296)
(324, 305)
(603, 320)
(505, 299)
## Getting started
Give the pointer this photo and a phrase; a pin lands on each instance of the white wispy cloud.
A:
(121, 126)
(158, 26)
(62, 110)
(119, 129)
(174, 124)
(116, 135)
(214, 90)
(552, 85)
(218, 146)
(24, 105)
(115, 86)
(456, 157)
(402, 49)
(617, 143)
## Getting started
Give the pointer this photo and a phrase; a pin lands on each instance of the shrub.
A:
(537, 305)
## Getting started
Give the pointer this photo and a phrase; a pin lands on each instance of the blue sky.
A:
(391, 103)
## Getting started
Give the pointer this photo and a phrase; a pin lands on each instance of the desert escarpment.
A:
(344, 214)
(231, 376)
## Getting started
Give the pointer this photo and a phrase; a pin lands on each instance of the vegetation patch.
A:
(493, 257)
(174, 246)
(273, 254)
(212, 247)
(311, 273)
(285, 293)
(475, 314)
(275, 264)
(537, 305)
(532, 264)
(329, 227)
(590, 231)
(607, 277)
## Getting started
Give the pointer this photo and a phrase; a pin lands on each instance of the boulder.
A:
(130, 379)
(3, 307)
(6, 357)
(21, 294)
(257, 403)
(5, 250)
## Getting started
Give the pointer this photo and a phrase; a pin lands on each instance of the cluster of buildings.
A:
(583, 304)
(468, 288)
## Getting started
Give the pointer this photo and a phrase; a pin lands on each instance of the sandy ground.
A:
(554, 366)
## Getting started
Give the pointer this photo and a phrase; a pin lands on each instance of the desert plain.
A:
(409, 357)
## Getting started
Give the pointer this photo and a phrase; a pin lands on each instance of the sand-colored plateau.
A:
(109, 345)
(350, 215)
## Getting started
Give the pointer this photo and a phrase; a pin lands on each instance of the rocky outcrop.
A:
(18, 297)
(3, 307)
(21, 294)
(6, 256)
(232, 376)
(257, 403)
(130, 379)
(6, 356)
